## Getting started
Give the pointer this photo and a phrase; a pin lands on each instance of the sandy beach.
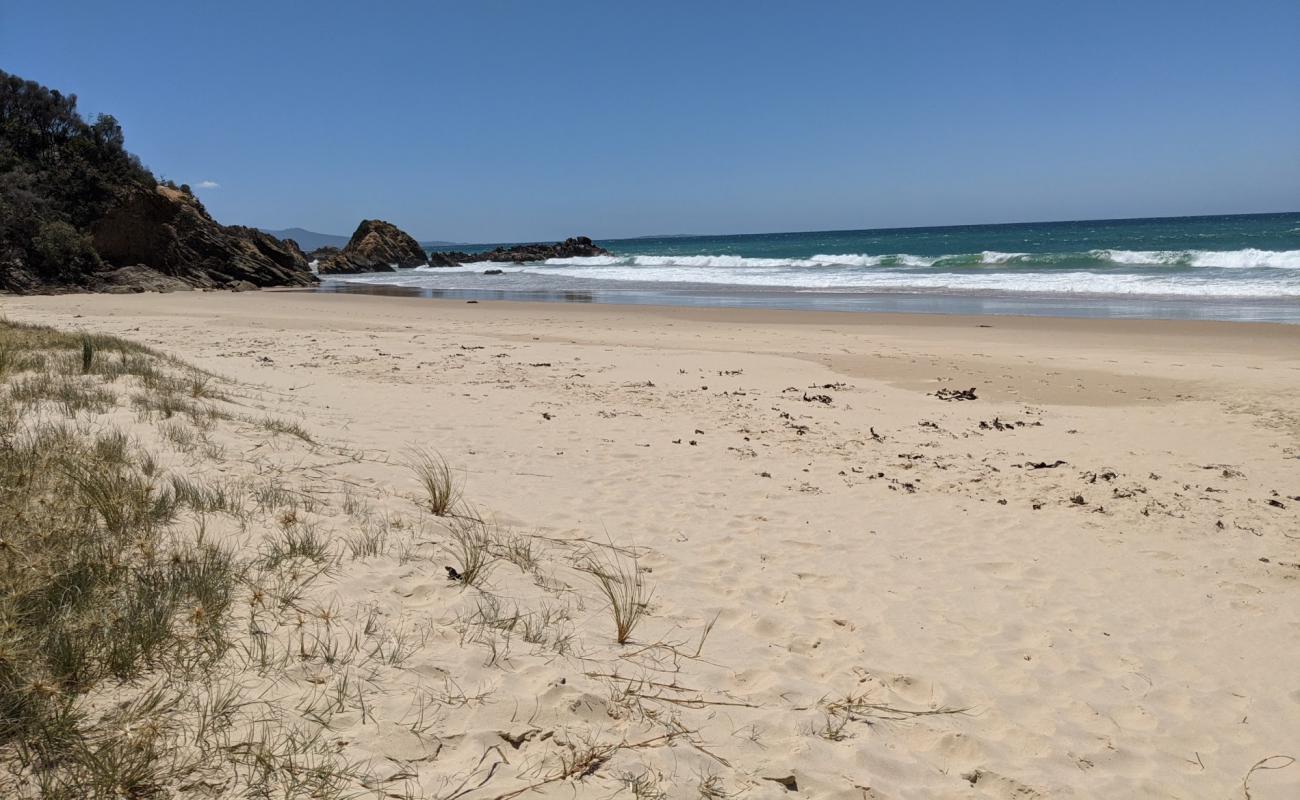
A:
(1082, 579)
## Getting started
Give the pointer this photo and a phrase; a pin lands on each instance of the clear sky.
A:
(498, 121)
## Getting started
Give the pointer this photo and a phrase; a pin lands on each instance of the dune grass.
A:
(442, 489)
(143, 656)
(618, 578)
(472, 543)
(94, 582)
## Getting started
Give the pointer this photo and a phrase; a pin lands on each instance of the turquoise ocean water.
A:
(1223, 267)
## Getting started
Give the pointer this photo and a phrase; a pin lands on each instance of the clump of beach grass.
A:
(87, 354)
(442, 490)
(472, 543)
(618, 578)
(287, 427)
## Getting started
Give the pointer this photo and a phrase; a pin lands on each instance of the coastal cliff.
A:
(169, 232)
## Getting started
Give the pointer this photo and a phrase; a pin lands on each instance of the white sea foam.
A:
(1073, 282)
(1249, 258)
(854, 260)
(994, 257)
(1226, 259)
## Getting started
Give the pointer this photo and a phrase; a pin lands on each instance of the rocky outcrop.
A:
(574, 247)
(377, 246)
(169, 232)
(289, 245)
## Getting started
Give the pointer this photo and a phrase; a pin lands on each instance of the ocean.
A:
(1241, 267)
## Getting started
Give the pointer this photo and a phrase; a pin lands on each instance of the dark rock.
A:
(575, 247)
(350, 263)
(376, 246)
(452, 258)
(169, 232)
(956, 394)
(494, 272)
(322, 253)
(136, 278)
(291, 246)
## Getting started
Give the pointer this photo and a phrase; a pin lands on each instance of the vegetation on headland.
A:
(58, 174)
(76, 207)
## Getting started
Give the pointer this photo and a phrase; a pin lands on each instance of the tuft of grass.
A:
(442, 491)
(70, 395)
(125, 500)
(87, 354)
(165, 404)
(210, 496)
(179, 435)
(288, 427)
(369, 542)
(618, 577)
(297, 540)
(519, 550)
(472, 541)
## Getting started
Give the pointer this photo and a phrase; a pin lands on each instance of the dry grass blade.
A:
(1268, 762)
(441, 488)
(859, 709)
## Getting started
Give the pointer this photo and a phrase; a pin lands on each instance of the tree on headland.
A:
(58, 174)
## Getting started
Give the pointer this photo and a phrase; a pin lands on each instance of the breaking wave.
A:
(1251, 273)
(1226, 259)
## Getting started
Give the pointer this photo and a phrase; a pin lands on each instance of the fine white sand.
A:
(1125, 623)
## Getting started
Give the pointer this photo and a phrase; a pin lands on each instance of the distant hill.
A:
(308, 240)
(311, 240)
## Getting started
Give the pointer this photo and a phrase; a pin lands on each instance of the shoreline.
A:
(1116, 307)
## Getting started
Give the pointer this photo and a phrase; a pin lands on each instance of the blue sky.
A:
(500, 121)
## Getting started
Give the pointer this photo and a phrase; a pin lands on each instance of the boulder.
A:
(376, 246)
(452, 258)
(169, 232)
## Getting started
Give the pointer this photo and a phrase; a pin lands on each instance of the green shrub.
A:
(58, 246)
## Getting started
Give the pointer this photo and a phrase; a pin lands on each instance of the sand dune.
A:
(1083, 583)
